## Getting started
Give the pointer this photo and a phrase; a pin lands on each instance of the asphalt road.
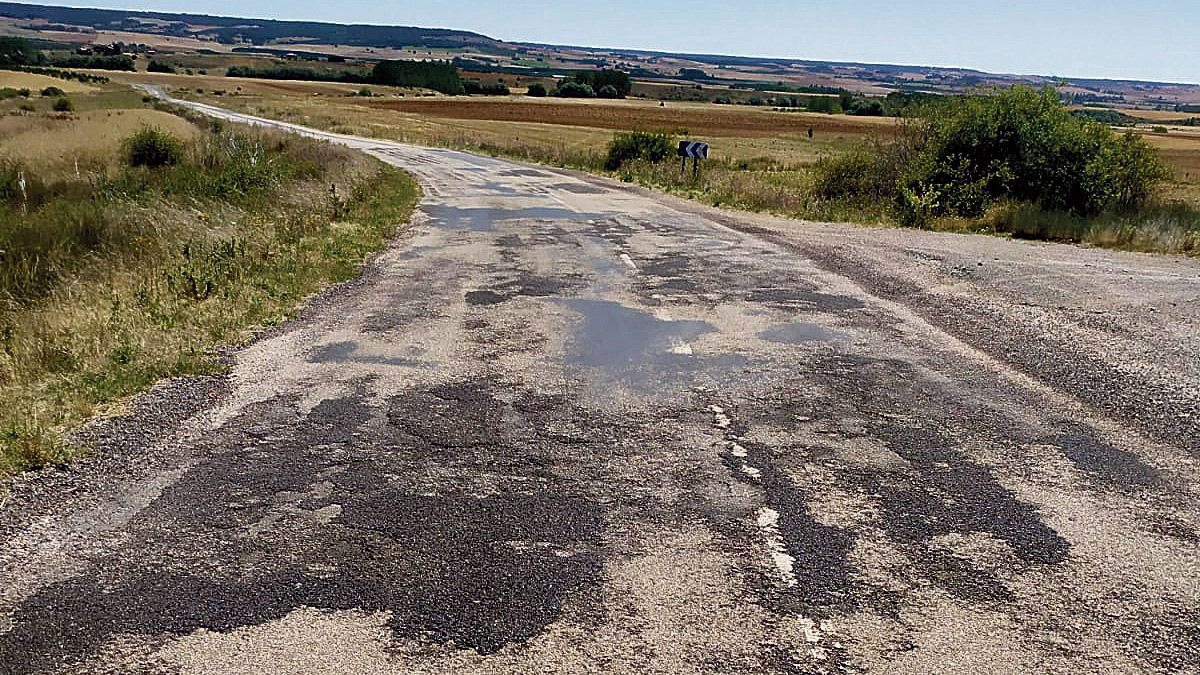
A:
(568, 425)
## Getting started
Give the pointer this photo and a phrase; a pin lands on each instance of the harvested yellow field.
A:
(17, 80)
(248, 86)
(92, 139)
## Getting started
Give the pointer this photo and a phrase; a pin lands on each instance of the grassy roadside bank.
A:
(117, 272)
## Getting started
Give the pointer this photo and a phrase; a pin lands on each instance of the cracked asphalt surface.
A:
(568, 425)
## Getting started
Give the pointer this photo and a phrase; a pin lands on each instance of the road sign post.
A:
(696, 151)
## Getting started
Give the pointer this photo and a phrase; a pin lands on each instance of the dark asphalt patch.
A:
(798, 333)
(942, 491)
(952, 494)
(790, 298)
(580, 188)
(820, 551)
(1170, 640)
(485, 297)
(1103, 462)
(482, 219)
(348, 352)
(528, 285)
(333, 510)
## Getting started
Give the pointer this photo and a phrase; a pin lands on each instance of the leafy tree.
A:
(63, 105)
(608, 91)
(160, 67)
(537, 89)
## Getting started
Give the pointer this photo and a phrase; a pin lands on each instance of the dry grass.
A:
(171, 270)
(91, 141)
(36, 83)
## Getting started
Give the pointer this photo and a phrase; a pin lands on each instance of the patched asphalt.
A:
(567, 425)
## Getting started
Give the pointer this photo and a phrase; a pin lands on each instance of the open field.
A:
(698, 119)
(91, 140)
(737, 133)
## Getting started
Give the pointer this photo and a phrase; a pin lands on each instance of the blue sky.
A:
(1150, 40)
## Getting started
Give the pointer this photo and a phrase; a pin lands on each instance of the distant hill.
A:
(255, 31)
(670, 75)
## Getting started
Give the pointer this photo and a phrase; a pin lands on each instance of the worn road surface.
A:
(568, 425)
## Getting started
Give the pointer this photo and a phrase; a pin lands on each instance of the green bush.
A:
(537, 89)
(153, 148)
(63, 105)
(635, 145)
(160, 67)
(1024, 145)
(52, 91)
(959, 156)
(608, 91)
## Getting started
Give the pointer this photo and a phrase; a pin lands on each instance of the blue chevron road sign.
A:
(693, 150)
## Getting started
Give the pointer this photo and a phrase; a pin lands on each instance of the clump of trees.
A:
(436, 75)
(20, 54)
(960, 156)
(593, 83)
(159, 67)
(573, 89)
(15, 51)
(537, 90)
(474, 88)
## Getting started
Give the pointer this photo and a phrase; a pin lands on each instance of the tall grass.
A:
(114, 279)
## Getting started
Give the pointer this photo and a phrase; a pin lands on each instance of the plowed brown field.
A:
(708, 119)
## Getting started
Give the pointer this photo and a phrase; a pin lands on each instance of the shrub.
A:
(864, 174)
(608, 91)
(635, 145)
(52, 91)
(1024, 145)
(63, 105)
(160, 67)
(537, 89)
(959, 156)
(153, 148)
